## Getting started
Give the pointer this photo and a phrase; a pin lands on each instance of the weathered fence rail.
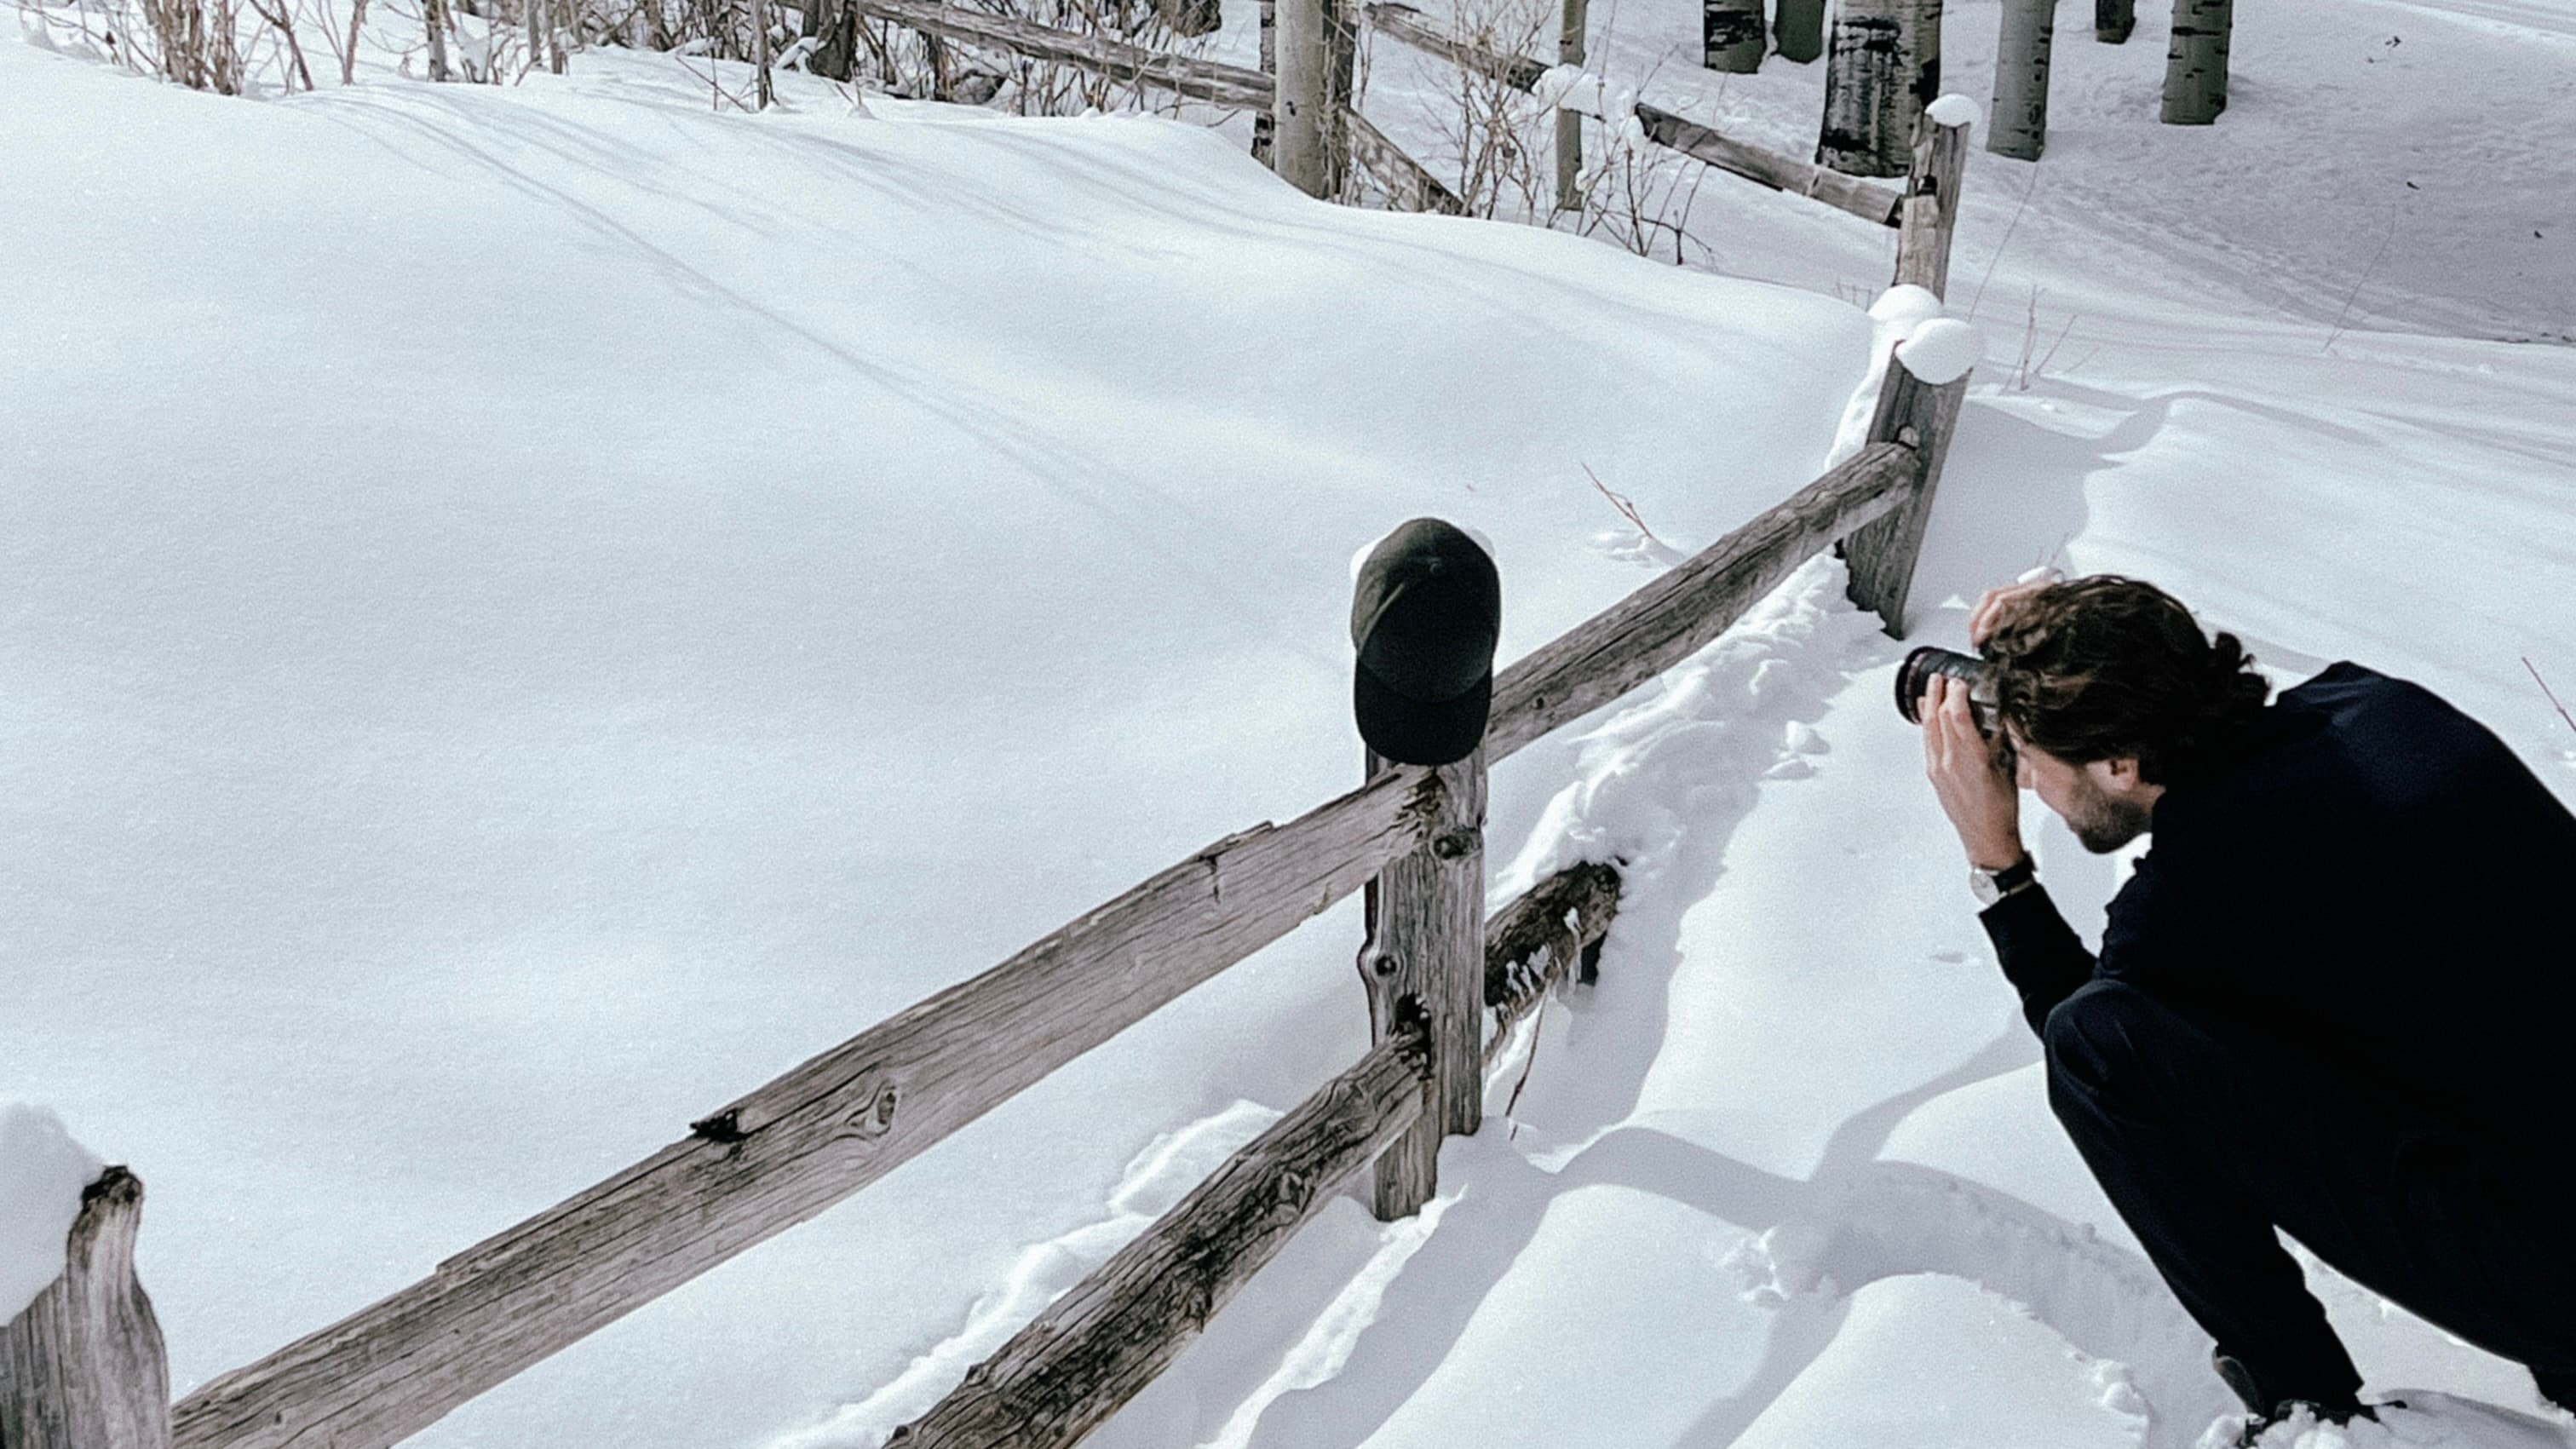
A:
(1871, 203)
(80, 1360)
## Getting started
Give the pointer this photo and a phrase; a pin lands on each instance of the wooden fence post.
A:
(1930, 215)
(1881, 555)
(2196, 62)
(2018, 126)
(1424, 963)
(83, 1367)
(1317, 47)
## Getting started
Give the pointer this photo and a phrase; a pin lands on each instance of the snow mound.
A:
(42, 1172)
(1941, 350)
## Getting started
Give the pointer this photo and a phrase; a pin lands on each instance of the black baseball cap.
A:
(1426, 614)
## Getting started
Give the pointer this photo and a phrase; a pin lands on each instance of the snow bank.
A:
(42, 1172)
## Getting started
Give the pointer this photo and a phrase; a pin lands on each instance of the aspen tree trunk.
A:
(2196, 62)
(433, 19)
(2113, 20)
(1315, 53)
(1731, 35)
(559, 18)
(1569, 124)
(2020, 125)
(1885, 67)
(761, 95)
(1798, 29)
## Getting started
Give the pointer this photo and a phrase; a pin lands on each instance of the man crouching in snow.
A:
(2337, 997)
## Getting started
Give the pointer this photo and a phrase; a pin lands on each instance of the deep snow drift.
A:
(535, 609)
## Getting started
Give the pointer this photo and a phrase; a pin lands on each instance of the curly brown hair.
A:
(2104, 667)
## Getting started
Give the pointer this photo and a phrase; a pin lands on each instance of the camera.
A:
(1914, 678)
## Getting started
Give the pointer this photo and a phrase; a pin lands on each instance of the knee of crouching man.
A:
(2088, 1035)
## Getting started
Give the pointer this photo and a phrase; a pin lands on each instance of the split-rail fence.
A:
(84, 1367)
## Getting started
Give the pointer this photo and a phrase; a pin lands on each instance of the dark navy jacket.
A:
(2377, 887)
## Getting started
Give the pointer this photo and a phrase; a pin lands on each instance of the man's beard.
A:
(2102, 823)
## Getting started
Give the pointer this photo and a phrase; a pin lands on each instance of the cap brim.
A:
(1411, 732)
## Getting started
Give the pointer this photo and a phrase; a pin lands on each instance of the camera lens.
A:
(1914, 676)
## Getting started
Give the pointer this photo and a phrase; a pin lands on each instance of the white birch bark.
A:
(2196, 62)
(1315, 52)
(433, 19)
(2020, 125)
(1884, 68)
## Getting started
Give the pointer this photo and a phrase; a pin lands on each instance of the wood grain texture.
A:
(1423, 966)
(1881, 556)
(1875, 204)
(1660, 624)
(1931, 216)
(1094, 1348)
(82, 1367)
(805, 1141)
(1410, 186)
(1205, 80)
(1550, 935)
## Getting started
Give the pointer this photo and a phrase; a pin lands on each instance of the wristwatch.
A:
(1990, 886)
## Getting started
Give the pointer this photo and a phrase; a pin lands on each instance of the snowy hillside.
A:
(530, 610)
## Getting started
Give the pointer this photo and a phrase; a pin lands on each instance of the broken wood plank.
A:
(1102, 1342)
(1550, 934)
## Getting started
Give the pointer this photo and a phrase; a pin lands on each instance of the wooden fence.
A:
(85, 1363)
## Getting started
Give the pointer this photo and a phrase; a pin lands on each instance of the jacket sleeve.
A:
(2041, 954)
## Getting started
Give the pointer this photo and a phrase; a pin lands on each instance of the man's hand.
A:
(1991, 603)
(1978, 796)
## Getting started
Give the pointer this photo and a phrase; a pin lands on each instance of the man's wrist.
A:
(1993, 859)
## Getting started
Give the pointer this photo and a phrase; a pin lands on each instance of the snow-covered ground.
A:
(531, 610)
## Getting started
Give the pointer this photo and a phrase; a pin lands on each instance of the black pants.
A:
(2206, 1143)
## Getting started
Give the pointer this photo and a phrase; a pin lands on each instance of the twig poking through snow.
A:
(1538, 1020)
(2545, 689)
(2365, 281)
(1627, 509)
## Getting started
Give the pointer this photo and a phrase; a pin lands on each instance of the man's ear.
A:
(2120, 772)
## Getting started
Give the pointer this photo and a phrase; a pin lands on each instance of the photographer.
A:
(2333, 999)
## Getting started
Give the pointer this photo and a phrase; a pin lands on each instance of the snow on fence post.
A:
(2019, 125)
(1570, 49)
(1316, 49)
(1928, 217)
(1424, 964)
(1918, 407)
(1730, 35)
(2196, 62)
(2113, 20)
(1885, 65)
(83, 1367)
